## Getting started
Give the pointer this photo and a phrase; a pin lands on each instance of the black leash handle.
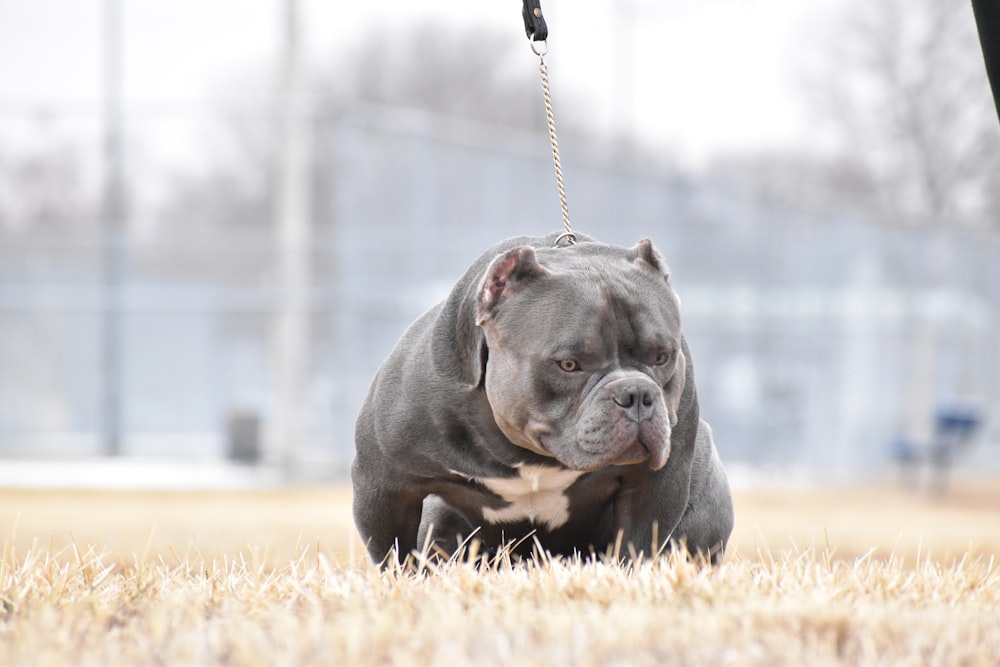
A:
(987, 14)
(534, 22)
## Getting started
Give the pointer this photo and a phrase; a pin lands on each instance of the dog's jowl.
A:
(551, 394)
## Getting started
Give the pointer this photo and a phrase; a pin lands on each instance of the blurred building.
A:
(817, 339)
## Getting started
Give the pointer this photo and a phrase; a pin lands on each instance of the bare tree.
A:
(44, 188)
(475, 74)
(907, 92)
(234, 186)
(470, 76)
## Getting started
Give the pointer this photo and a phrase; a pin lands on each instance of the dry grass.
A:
(873, 576)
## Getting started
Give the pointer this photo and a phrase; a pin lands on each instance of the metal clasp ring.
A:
(540, 51)
(569, 237)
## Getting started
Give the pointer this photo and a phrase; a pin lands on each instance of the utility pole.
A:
(625, 61)
(113, 213)
(293, 235)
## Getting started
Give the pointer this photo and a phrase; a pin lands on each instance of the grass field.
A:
(847, 576)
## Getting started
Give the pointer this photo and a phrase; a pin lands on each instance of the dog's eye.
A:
(662, 358)
(569, 365)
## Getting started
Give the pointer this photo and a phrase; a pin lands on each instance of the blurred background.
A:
(217, 218)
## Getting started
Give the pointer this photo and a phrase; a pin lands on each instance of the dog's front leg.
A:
(387, 516)
(643, 523)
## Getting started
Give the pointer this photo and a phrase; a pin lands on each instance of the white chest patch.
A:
(536, 494)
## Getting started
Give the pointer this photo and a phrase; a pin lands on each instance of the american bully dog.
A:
(549, 398)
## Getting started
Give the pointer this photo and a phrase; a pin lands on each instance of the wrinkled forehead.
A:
(595, 309)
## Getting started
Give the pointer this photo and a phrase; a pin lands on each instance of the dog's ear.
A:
(675, 388)
(505, 275)
(643, 253)
(459, 346)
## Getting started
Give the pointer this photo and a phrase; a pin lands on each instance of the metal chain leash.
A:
(543, 70)
(538, 32)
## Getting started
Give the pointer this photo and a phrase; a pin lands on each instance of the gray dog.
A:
(550, 395)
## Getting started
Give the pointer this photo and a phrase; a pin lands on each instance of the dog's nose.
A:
(635, 396)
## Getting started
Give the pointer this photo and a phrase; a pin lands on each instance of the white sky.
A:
(709, 76)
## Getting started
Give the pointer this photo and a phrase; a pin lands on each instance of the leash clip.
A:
(568, 237)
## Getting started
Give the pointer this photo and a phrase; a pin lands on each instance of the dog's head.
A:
(585, 361)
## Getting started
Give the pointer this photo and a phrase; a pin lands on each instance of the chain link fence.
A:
(818, 340)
